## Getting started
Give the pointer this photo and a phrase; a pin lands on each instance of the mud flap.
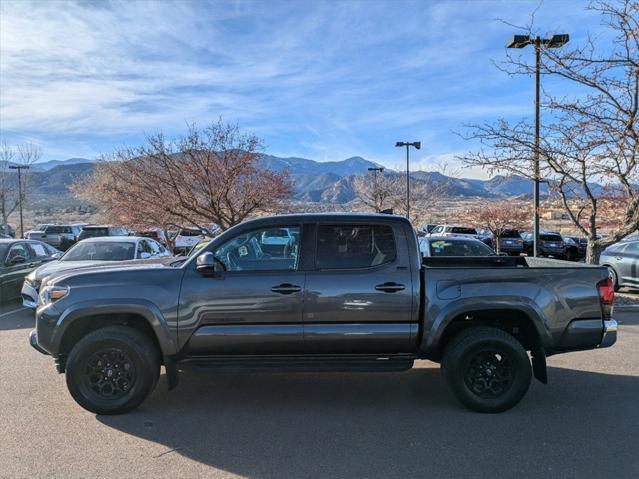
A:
(539, 365)
(171, 368)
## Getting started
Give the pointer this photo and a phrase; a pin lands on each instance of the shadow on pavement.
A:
(14, 316)
(582, 424)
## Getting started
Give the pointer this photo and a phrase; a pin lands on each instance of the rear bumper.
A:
(609, 334)
(588, 334)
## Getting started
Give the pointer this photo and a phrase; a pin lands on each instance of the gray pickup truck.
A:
(344, 292)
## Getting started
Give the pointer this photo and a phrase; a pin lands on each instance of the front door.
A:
(359, 296)
(628, 263)
(255, 305)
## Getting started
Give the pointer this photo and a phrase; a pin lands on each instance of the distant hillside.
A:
(319, 182)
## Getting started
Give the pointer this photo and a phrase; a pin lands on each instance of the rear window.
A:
(459, 248)
(93, 232)
(58, 229)
(190, 233)
(547, 237)
(463, 231)
(511, 234)
(354, 246)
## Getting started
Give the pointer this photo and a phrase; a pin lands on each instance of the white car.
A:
(187, 238)
(93, 252)
(454, 230)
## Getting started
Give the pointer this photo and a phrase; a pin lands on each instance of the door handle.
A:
(390, 287)
(618, 258)
(286, 288)
(31, 265)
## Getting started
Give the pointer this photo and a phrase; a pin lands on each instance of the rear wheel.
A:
(112, 370)
(487, 369)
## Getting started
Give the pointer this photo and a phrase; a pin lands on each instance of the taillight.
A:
(606, 289)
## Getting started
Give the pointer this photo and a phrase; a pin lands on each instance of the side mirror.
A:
(145, 255)
(208, 264)
(16, 260)
(56, 256)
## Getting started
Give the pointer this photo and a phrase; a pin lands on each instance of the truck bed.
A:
(498, 262)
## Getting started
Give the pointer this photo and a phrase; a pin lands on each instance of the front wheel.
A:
(112, 370)
(488, 369)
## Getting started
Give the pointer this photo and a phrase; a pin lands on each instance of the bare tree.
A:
(21, 155)
(209, 176)
(499, 217)
(589, 146)
(376, 191)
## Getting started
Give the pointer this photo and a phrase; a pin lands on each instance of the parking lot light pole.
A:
(520, 41)
(20, 168)
(417, 145)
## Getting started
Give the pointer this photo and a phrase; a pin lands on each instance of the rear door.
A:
(359, 296)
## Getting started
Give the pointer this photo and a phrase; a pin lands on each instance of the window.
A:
(39, 251)
(438, 230)
(100, 251)
(463, 231)
(354, 246)
(58, 230)
(18, 250)
(459, 248)
(632, 248)
(144, 247)
(257, 250)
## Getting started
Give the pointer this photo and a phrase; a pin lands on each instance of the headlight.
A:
(50, 294)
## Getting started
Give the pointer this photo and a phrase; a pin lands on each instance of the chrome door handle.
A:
(390, 287)
(286, 288)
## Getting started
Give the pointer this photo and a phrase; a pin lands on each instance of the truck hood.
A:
(55, 268)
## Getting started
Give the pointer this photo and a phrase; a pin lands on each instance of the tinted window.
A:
(102, 251)
(94, 232)
(459, 248)
(463, 231)
(511, 234)
(58, 230)
(547, 237)
(354, 246)
(190, 233)
(250, 251)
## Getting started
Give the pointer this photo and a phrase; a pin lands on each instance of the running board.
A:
(301, 363)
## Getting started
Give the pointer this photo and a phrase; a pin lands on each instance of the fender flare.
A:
(140, 307)
(445, 316)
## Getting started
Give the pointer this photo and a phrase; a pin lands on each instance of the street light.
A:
(417, 145)
(20, 168)
(520, 41)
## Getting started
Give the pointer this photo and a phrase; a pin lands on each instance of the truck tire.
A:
(488, 369)
(112, 370)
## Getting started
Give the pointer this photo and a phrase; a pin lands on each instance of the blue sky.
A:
(321, 80)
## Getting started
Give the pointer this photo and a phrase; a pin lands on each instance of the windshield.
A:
(454, 247)
(101, 251)
(91, 232)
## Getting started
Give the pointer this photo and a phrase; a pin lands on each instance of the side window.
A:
(438, 230)
(354, 246)
(155, 248)
(16, 250)
(632, 248)
(143, 247)
(263, 249)
(38, 250)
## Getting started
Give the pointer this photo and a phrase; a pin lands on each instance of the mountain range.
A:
(324, 182)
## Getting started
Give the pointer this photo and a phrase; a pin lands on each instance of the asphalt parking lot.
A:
(583, 424)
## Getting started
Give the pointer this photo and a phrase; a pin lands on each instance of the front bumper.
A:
(609, 334)
(29, 296)
(33, 341)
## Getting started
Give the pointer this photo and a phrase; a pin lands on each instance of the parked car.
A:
(39, 228)
(622, 261)
(510, 242)
(98, 231)
(155, 234)
(581, 247)
(350, 293)
(17, 259)
(186, 239)
(454, 230)
(61, 237)
(92, 252)
(486, 237)
(7, 230)
(453, 246)
(550, 244)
